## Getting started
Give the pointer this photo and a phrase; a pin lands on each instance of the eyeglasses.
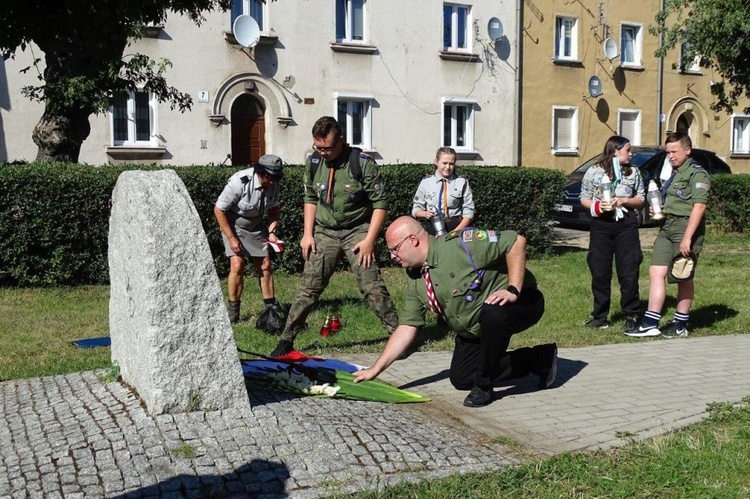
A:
(395, 249)
(327, 150)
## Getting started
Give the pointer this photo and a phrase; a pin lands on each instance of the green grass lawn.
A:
(710, 459)
(38, 324)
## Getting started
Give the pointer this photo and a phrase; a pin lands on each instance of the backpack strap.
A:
(354, 167)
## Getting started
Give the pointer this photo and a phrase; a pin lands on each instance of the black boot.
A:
(233, 309)
(479, 397)
(283, 348)
(544, 364)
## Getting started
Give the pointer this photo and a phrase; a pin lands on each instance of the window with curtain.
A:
(566, 38)
(252, 8)
(458, 125)
(741, 134)
(132, 118)
(353, 115)
(456, 23)
(350, 21)
(630, 45)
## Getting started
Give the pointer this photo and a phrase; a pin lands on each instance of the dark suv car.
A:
(649, 159)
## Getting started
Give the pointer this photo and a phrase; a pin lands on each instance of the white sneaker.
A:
(644, 331)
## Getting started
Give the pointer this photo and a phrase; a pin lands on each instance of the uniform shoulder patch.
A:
(364, 155)
(481, 235)
(701, 185)
(244, 179)
(452, 235)
(467, 235)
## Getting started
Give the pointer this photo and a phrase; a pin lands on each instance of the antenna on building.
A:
(595, 87)
(610, 48)
(246, 31)
(495, 29)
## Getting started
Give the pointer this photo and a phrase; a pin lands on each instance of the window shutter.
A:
(563, 129)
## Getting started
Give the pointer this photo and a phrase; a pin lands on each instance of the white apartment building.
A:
(403, 77)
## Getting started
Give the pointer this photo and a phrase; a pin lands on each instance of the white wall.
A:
(406, 76)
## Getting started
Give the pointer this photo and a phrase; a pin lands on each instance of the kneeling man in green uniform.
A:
(478, 282)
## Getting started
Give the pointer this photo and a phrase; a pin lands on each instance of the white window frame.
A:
(739, 142)
(694, 66)
(637, 55)
(247, 10)
(453, 103)
(349, 21)
(468, 23)
(350, 98)
(621, 114)
(131, 141)
(559, 40)
(573, 139)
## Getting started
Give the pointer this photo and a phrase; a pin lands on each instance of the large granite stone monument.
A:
(169, 327)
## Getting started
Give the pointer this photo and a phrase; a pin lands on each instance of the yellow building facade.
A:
(589, 72)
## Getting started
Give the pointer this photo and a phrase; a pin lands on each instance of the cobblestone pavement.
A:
(75, 436)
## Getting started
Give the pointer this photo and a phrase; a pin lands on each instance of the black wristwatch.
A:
(513, 290)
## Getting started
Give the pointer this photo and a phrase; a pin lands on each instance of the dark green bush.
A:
(54, 218)
(729, 204)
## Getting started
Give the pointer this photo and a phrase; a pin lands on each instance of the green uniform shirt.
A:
(352, 202)
(451, 274)
(690, 185)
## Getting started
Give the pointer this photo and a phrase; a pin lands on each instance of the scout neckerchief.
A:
(329, 184)
(431, 298)
(444, 196)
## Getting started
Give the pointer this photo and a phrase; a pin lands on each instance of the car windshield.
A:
(639, 157)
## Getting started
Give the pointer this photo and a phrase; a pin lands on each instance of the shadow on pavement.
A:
(258, 478)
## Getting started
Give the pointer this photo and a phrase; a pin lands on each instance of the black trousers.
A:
(618, 240)
(485, 361)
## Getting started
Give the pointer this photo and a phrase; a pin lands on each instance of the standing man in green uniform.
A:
(344, 212)
(685, 195)
(477, 280)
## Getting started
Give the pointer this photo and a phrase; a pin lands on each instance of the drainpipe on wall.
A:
(519, 80)
(659, 84)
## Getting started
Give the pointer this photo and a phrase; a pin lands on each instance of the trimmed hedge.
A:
(54, 218)
(729, 207)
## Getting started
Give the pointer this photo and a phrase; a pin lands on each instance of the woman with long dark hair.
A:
(614, 232)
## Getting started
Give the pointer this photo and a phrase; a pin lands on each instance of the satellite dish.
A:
(246, 31)
(595, 86)
(610, 49)
(495, 29)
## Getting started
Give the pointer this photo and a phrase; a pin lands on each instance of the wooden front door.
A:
(248, 131)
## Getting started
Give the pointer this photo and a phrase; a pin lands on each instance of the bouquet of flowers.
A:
(298, 373)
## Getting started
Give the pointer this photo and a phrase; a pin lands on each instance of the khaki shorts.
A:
(667, 244)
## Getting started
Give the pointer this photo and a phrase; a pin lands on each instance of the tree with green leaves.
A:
(718, 33)
(83, 65)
